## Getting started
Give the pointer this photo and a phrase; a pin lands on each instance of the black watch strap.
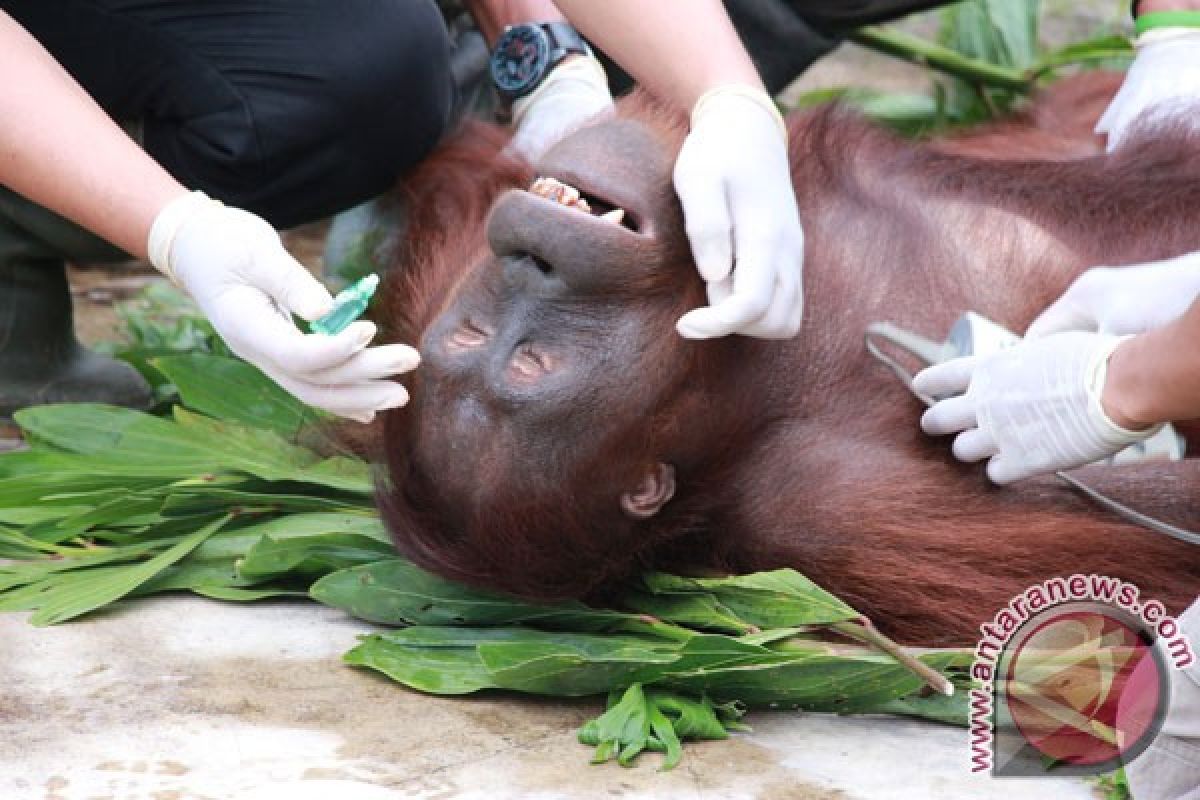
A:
(564, 41)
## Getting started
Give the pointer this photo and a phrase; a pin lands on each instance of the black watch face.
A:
(520, 59)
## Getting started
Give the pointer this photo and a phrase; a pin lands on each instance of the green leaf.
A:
(194, 500)
(230, 389)
(575, 664)
(118, 508)
(699, 610)
(396, 592)
(1101, 49)
(21, 516)
(92, 589)
(841, 683)
(930, 705)
(692, 719)
(27, 573)
(191, 575)
(235, 542)
(191, 445)
(58, 476)
(653, 719)
(623, 729)
(240, 595)
(447, 669)
(778, 599)
(311, 555)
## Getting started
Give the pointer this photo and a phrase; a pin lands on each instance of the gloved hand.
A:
(1124, 300)
(233, 265)
(734, 183)
(1030, 409)
(1164, 76)
(573, 92)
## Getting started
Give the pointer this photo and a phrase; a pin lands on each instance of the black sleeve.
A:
(841, 16)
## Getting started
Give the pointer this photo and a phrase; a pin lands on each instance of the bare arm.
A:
(1148, 6)
(1155, 377)
(493, 16)
(59, 149)
(678, 49)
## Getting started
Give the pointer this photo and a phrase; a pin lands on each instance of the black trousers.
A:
(293, 109)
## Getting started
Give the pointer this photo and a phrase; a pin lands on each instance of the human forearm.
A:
(1151, 6)
(679, 49)
(58, 148)
(493, 16)
(1155, 377)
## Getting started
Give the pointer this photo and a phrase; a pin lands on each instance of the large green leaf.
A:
(187, 445)
(311, 556)
(396, 592)
(190, 445)
(236, 540)
(438, 660)
(843, 683)
(230, 389)
(575, 664)
(778, 599)
(699, 610)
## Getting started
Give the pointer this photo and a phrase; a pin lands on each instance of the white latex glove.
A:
(1164, 76)
(1030, 409)
(233, 265)
(1124, 300)
(734, 183)
(574, 91)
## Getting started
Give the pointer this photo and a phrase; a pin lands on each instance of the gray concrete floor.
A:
(182, 698)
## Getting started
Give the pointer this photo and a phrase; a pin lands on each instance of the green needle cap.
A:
(348, 306)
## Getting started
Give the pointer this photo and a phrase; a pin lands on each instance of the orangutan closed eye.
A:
(561, 435)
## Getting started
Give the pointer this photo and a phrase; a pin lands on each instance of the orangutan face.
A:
(552, 347)
(544, 371)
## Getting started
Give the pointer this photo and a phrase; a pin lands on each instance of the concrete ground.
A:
(182, 698)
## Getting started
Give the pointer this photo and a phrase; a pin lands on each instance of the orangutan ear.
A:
(656, 488)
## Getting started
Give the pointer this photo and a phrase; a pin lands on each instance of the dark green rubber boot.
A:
(41, 361)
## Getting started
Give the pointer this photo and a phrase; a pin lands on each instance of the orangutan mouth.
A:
(567, 195)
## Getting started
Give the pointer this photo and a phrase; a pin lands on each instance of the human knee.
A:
(394, 91)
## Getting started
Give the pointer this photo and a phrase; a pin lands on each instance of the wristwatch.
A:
(526, 53)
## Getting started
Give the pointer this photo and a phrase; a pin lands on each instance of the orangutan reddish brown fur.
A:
(554, 390)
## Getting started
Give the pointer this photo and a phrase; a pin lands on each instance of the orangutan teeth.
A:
(561, 193)
(615, 216)
(564, 194)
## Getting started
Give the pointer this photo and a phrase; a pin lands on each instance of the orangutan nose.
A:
(586, 252)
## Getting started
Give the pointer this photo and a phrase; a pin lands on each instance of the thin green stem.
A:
(862, 630)
(928, 54)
